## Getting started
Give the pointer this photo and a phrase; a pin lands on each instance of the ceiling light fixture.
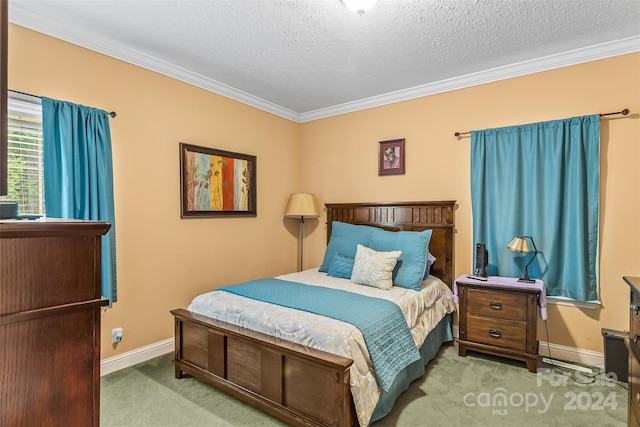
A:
(360, 6)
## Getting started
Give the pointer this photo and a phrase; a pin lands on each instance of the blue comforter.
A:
(383, 326)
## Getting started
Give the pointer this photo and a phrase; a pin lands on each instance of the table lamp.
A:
(519, 244)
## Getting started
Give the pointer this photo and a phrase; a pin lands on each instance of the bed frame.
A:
(300, 385)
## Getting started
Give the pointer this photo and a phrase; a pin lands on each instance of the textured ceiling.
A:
(308, 59)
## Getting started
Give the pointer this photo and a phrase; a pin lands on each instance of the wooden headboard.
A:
(406, 216)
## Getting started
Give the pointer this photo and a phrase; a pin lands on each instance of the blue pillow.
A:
(344, 240)
(412, 264)
(430, 260)
(341, 266)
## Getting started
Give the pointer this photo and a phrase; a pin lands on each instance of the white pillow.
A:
(373, 268)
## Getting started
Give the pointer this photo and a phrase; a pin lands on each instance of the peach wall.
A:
(163, 261)
(339, 159)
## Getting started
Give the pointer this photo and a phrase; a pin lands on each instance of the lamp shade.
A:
(519, 244)
(302, 205)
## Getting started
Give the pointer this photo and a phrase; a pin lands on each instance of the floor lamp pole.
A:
(301, 243)
(301, 205)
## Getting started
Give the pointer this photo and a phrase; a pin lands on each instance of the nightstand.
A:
(499, 317)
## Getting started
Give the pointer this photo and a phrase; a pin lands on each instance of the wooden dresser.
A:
(499, 317)
(50, 322)
(633, 344)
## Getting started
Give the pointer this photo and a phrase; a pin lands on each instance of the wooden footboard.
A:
(300, 385)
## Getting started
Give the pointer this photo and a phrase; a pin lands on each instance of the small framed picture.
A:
(391, 157)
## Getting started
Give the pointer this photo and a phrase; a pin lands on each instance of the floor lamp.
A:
(302, 205)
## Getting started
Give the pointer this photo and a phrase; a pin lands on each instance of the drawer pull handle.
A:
(636, 339)
(495, 305)
(495, 333)
(636, 310)
(637, 397)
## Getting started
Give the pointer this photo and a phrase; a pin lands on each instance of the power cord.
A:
(590, 378)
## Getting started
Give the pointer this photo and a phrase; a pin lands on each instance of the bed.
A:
(300, 382)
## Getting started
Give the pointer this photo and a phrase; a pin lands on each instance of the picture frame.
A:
(391, 157)
(216, 183)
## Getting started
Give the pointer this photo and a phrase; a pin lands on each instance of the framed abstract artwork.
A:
(391, 157)
(216, 183)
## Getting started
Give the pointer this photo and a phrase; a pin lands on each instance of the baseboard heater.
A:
(566, 365)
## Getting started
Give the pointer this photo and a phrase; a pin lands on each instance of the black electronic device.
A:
(482, 260)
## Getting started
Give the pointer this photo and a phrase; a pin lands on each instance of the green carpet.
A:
(456, 391)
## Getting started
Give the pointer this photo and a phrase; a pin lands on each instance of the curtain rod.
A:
(111, 113)
(623, 112)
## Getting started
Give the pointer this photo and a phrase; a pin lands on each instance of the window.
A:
(24, 154)
(541, 180)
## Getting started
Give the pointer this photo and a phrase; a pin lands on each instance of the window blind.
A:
(24, 157)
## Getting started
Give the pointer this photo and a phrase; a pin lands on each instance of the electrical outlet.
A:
(116, 335)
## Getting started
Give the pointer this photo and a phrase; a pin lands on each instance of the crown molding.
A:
(34, 22)
(564, 59)
(26, 19)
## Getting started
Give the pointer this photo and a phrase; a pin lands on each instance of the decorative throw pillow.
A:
(373, 268)
(344, 240)
(412, 264)
(341, 266)
(430, 260)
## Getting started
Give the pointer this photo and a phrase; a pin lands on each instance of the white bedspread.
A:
(422, 310)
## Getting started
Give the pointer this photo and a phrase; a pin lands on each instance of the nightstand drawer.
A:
(497, 332)
(634, 333)
(497, 304)
(635, 302)
(635, 315)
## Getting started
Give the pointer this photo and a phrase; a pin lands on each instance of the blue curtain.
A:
(78, 173)
(540, 180)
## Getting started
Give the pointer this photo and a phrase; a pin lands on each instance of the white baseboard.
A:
(571, 354)
(136, 356)
(130, 358)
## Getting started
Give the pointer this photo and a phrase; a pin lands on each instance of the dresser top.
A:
(47, 227)
(634, 282)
